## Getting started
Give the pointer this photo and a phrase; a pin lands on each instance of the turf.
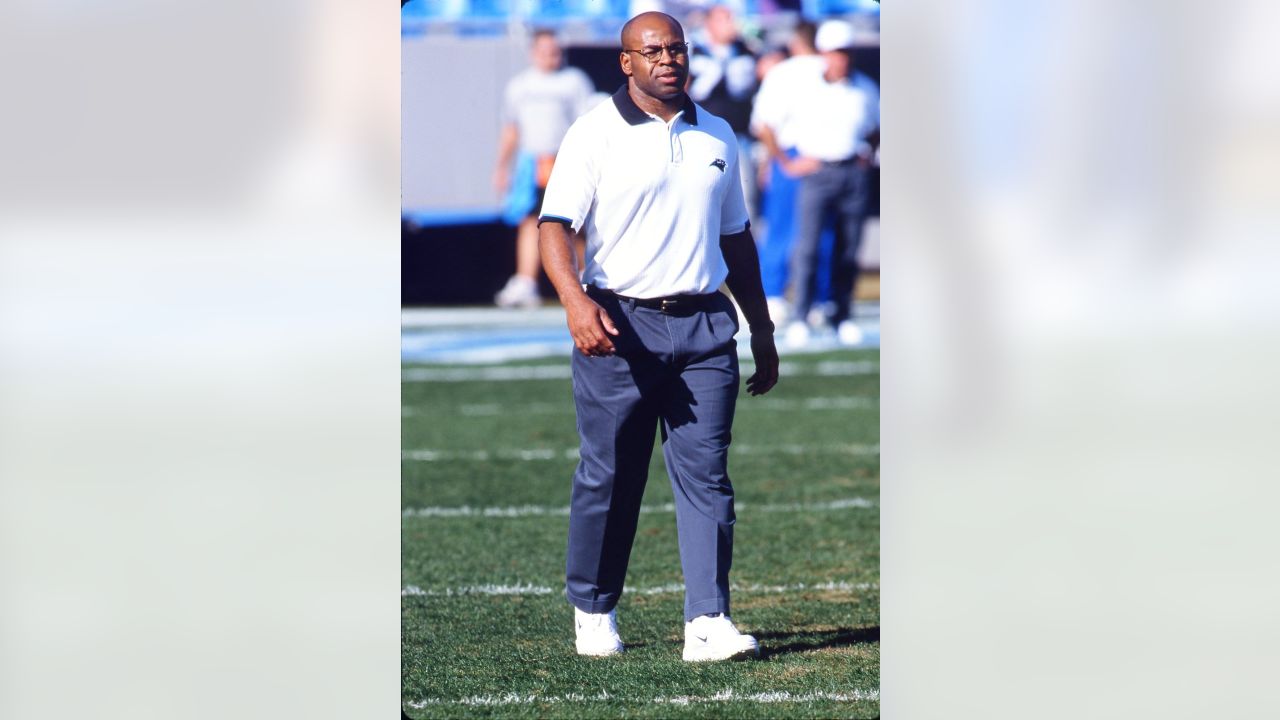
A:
(805, 466)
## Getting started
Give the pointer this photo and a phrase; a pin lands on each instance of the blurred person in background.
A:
(774, 122)
(766, 62)
(837, 132)
(539, 105)
(722, 71)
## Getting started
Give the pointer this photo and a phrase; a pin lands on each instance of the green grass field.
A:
(486, 630)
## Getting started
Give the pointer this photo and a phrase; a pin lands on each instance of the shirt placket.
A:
(674, 145)
(675, 149)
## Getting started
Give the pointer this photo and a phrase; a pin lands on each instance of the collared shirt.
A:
(544, 104)
(834, 118)
(780, 94)
(653, 196)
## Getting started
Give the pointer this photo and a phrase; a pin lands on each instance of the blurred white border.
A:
(1079, 329)
(199, 360)
(199, 381)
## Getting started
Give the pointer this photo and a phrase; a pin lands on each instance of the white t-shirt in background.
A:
(543, 106)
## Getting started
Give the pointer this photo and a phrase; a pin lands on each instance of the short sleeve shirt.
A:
(654, 197)
(832, 119)
(777, 105)
(543, 105)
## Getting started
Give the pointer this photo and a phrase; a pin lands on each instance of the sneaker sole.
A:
(599, 653)
(702, 656)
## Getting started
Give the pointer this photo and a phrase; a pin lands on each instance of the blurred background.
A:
(456, 246)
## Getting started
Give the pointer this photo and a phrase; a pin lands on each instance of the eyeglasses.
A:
(653, 53)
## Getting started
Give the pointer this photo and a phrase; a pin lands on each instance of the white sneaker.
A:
(819, 314)
(715, 638)
(849, 333)
(597, 633)
(519, 291)
(797, 334)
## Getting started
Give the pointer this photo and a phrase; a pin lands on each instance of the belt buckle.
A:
(668, 304)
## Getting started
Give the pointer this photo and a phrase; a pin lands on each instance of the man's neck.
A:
(663, 109)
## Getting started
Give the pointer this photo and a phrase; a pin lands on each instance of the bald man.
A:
(652, 179)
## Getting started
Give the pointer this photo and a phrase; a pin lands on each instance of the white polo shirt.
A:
(832, 118)
(782, 93)
(653, 196)
(543, 105)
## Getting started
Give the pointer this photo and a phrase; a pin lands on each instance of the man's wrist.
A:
(762, 328)
(575, 296)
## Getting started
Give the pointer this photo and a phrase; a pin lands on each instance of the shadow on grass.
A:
(816, 640)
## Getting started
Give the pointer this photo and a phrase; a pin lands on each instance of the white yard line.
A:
(832, 368)
(531, 454)
(537, 408)
(673, 588)
(469, 374)
(514, 511)
(726, 695)
(566, 407)
(800, 449)
(526, 454)
(828, 368)
(817, 403)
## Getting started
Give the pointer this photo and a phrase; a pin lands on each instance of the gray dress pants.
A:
(677, 372)
(839, 188)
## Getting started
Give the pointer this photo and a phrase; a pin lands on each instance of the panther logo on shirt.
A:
(717, 163)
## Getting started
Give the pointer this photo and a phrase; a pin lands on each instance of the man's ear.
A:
(624, 59)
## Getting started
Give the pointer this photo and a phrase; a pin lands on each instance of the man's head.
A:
(802, 39)
(654, 55)
(721, 27)
(835, 40)
(545, 52)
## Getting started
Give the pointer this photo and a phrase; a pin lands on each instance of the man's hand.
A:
(766, 357)
(501, 179)
(801, 166)
(589, 324)
(739, 250)
(591, 327)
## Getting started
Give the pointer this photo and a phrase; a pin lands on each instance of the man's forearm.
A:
(770, 142)
(744, 282)
(560, 260)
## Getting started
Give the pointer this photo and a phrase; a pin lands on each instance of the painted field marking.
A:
(726, 695)
(488, 374)
(514, 511)
(525, 454)
(537, 408)
(801, 449)
(531, 454)
(846, 402)
(503, 373)
(672, 588)
(566, 407)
